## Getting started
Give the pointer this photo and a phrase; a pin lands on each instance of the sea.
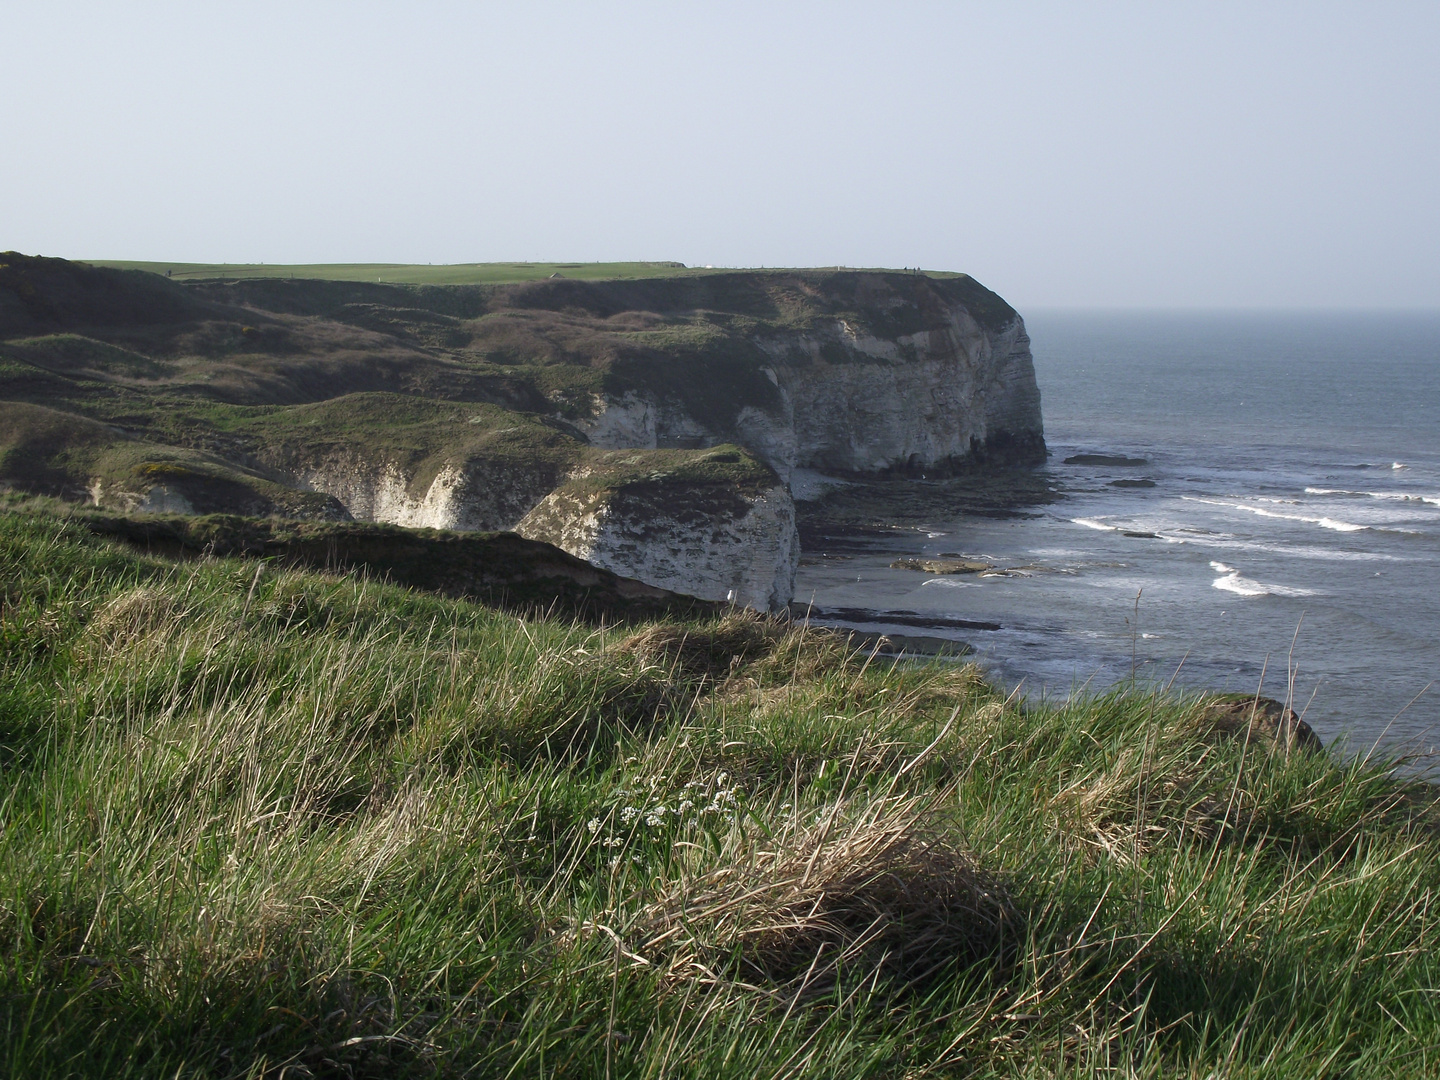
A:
(1238, 501)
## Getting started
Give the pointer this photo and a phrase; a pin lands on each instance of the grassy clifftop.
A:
(260, 819)
(429, 273)
(405, 273)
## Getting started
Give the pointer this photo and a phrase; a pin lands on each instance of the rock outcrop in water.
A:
(649, 427)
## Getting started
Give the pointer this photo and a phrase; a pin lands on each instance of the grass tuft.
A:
(876, 887)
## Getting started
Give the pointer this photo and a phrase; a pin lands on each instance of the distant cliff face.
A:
(910, 383)
(650, 427)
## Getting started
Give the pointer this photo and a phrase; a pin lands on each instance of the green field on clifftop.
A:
(406, 273)
(494, 273)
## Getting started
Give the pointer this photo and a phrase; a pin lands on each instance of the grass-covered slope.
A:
(500, 569)
(262, 821)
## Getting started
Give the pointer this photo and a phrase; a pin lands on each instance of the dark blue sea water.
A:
(1295, 460)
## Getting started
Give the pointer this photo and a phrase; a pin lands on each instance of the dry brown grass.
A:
(759, 645)
(877, 887)
(133, 615)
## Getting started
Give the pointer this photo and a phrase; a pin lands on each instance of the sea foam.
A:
(1231, 581)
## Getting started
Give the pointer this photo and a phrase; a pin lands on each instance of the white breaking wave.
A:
(1091, 523)
(951, 583)
(1396, 496)
(1231, 581)
(1323, 522)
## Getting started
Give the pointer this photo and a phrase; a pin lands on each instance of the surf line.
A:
(1323, 522)
(1231, 581)
(1397, 496)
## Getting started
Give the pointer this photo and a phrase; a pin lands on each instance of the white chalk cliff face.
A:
(726, 545)
(743, 549)
(816, 375)
(852, 404)
(465, 495)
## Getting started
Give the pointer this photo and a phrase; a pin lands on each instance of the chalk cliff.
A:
(651, 427)
(952, 395)
(715, 524)
(733, 545)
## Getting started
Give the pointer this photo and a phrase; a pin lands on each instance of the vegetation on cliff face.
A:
(264, 821)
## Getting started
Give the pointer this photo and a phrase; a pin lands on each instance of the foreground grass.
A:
(256, 822)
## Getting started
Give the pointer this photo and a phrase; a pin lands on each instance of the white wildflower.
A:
(593, 825)
(685, 804)
(629, 814)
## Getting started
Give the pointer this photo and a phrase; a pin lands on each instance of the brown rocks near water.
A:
(943, 566)
(1110, 460)
(1261, 720)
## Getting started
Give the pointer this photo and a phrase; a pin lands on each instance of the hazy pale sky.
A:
(1215, 154)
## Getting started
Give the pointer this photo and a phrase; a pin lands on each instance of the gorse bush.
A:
(258, 822)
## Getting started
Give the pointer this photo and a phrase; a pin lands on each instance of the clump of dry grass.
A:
(133, 615)
(759, 645)
(1121, 810)
(880, 888)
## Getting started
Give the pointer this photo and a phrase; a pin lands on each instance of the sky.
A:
(1095, 154)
